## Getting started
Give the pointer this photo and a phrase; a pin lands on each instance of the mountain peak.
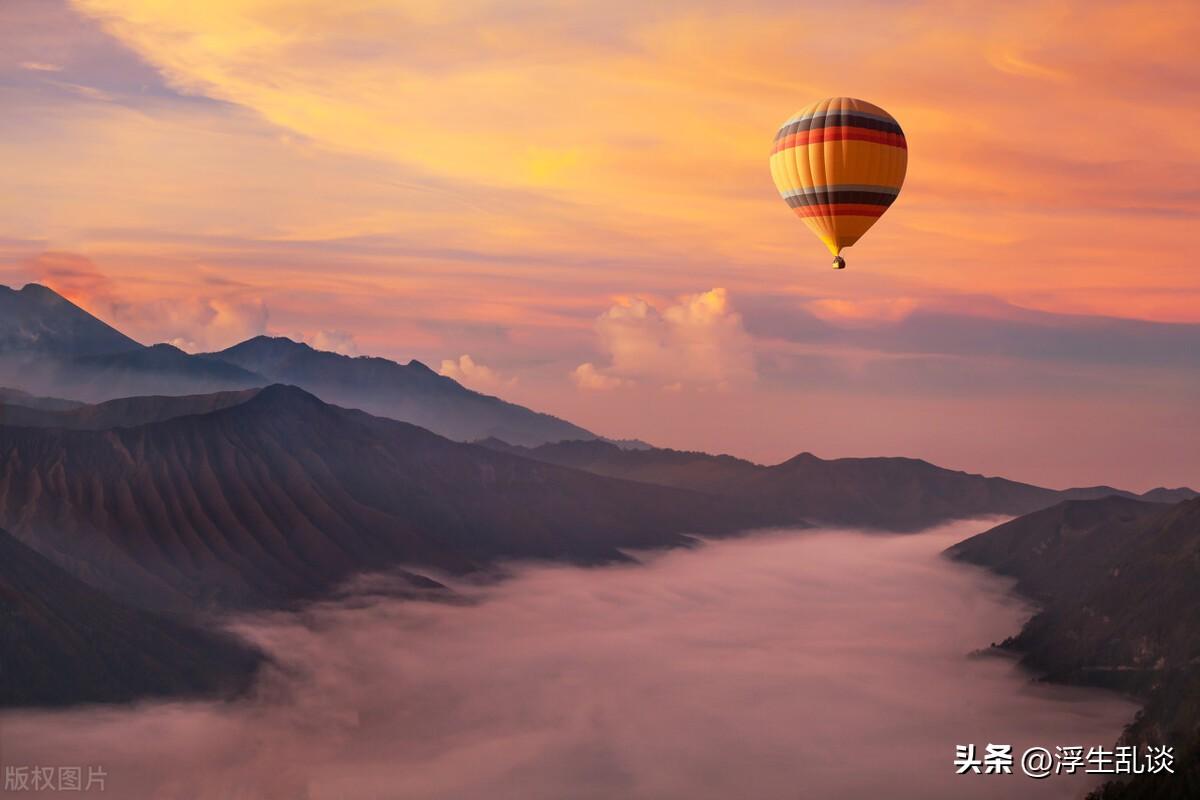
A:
(802, 458)
(39, 320)
(265, 342)
(38, 290)
(421, 366)
(284, 396)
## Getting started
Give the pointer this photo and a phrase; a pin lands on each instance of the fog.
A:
(827, 664)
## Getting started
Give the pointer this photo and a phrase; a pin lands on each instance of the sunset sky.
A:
(568, 204)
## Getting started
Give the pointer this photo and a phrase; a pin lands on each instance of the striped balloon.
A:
(839, 163)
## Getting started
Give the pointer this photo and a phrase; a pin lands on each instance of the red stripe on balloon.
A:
(839, 134)
(840, 210)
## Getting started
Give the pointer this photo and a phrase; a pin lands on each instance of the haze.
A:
(783, 665)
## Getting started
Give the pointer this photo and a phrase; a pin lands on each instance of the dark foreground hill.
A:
(890, 493)
(1119, 582)
(65, 642)
(281, 496)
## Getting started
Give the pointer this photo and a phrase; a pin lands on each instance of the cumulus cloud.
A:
(335, 341)
(474, 375)
(697, 341)
(813, 664)
(586, 376)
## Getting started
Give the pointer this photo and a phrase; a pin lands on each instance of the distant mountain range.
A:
(27, 411)
(65, 642)
(1119, 585)
(410, 392)
(890, 493)
(17, 397)
(48, 345)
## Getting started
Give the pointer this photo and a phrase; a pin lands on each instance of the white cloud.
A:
(475, 375)
(698, 341)
(586, 376)
(334, 341)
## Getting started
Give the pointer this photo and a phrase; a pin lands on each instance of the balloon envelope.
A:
(839, 163)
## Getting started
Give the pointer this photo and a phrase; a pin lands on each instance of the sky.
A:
(568, 204)
(659, 681)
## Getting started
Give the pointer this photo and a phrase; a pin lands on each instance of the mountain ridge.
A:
(1118, 583)
(409, 392)
(277, 498)
(892, 492)
(122, 412)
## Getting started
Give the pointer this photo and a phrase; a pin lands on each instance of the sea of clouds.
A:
(789, 664)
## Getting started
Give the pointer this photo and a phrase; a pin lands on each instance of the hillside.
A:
(37, 320)
(281, 496)
(65, 643)
(1119, 582)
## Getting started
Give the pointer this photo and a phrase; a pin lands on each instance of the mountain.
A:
(126, 412)
(50, 346)
(281, 496)
(66, 643)
(1164, 495)
(38, 320)
(159, 369)
(1119, 585)
(889, 493)
(410, 392)
(16, 397)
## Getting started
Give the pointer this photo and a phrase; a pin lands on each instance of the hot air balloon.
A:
(839, 163)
